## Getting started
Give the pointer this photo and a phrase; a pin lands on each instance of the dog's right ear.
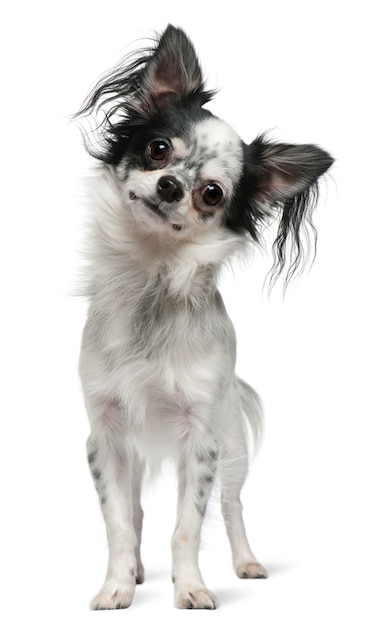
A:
(172, 72)
(141, 84)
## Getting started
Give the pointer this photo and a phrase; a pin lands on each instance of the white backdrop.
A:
(297, 68)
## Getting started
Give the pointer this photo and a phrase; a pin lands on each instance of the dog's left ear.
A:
(284, 182)
(173, 71)
(281, 172)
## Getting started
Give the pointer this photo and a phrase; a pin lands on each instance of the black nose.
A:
(170, 189)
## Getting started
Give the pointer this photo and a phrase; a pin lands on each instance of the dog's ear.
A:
(284, 182)
(282, 172)
(141, 84)
(173, 71)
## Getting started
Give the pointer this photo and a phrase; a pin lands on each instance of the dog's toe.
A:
(200, 598)
(251, 570)
(113, 595)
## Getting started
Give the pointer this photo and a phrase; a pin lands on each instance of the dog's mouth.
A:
(155, 208)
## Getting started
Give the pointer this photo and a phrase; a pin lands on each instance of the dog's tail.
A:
(254, 413)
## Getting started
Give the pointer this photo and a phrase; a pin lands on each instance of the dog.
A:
(176, 193)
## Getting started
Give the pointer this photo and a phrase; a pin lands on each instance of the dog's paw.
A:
(251, 569)
(113, 595)
(195, 598)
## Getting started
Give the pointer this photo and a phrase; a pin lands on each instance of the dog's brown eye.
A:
(212, 194)
(158, 150)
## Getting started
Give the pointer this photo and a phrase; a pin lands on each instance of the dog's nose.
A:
(170, 189)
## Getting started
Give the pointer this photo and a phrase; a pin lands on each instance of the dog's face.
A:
(179, 177)
(183, 172)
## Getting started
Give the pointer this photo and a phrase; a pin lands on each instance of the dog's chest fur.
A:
(161, 354)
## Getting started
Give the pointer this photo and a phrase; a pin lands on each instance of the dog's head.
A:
(184, 172)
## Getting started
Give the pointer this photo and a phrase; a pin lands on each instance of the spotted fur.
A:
(176, 193)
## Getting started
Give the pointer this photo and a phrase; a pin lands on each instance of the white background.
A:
(299, 69)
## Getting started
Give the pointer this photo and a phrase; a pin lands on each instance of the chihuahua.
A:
(175, 194)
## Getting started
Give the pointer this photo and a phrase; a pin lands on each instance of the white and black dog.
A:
(176, 194)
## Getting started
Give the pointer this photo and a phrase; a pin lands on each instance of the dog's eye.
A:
(158, 150)
(212, 194)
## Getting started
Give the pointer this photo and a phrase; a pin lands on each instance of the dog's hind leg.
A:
(244, 561)
(233, 468)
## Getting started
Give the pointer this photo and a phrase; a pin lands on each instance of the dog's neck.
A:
(181, 280)
(123, 257)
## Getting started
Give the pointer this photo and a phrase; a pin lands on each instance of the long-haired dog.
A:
(176, 194)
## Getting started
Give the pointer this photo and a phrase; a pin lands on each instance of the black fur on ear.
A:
(284, 183)
(142, 84)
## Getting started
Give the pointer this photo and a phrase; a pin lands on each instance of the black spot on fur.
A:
(96, 473)
(91, 457)
(208, 456)
(207, 478)
(201, 508)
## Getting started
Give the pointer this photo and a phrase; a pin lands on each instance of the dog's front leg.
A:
(196, 473)
(111, 464)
